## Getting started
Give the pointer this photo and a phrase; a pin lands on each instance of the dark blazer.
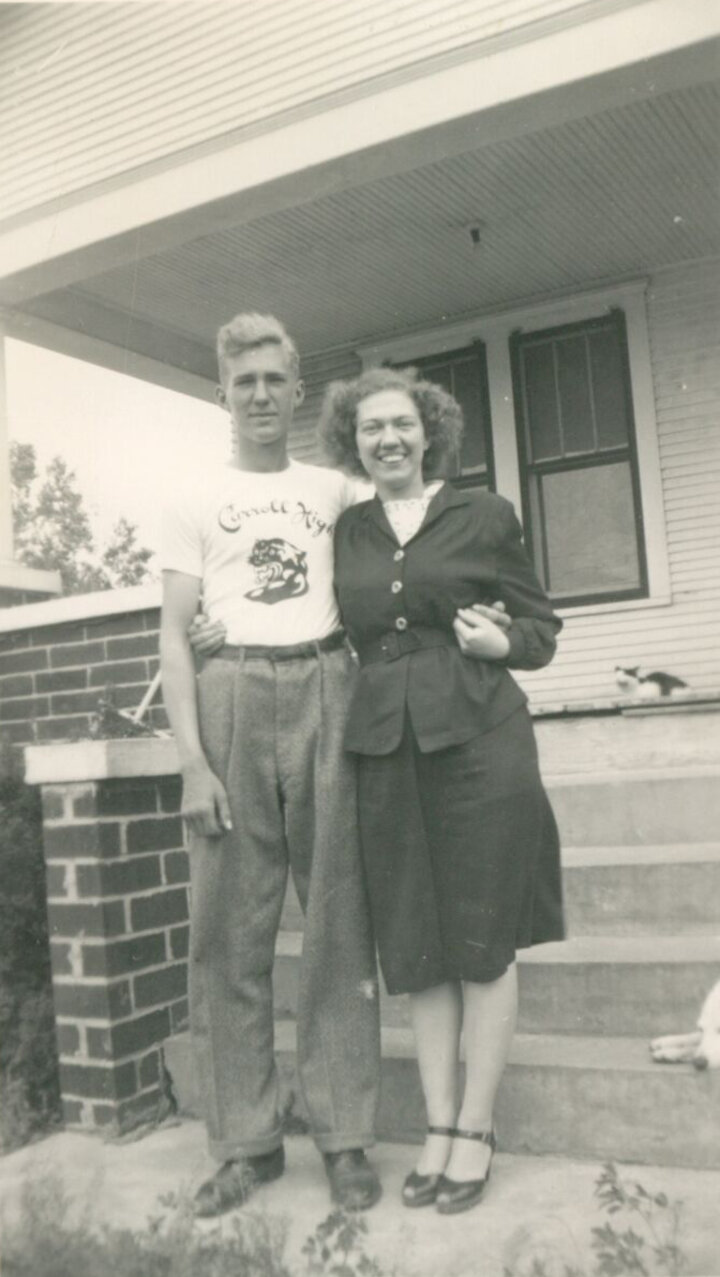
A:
(468, 550)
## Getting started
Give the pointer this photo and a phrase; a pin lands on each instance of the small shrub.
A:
(45, 1241)
(29, 1090)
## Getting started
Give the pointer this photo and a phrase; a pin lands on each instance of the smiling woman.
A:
(403, 398)
(391, 443)
(458, 839)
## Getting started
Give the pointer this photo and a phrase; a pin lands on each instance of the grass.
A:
(45, 1241)
(641, 1238)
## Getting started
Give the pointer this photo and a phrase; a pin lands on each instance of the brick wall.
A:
(52, 676)
(117, 878)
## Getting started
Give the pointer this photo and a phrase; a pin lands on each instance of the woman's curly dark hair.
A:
(440, 414)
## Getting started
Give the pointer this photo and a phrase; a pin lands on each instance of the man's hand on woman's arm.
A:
(205, 806)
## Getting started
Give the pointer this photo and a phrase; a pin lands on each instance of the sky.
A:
(125, 439)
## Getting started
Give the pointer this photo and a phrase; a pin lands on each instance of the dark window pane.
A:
(608, 375)
(542, 406)
(583, 521)
(441, 373)
(468, 392)
(576, 412)
(463, 374)
(590, 530)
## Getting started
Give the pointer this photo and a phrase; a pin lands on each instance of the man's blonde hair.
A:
(249, 330)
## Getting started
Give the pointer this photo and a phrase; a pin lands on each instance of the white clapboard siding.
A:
(681, 636)
(91, 91)
(318, 371)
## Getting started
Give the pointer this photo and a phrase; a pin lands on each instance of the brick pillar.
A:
(117, 910)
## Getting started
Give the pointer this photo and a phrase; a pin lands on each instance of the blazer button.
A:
(396, 587)
(399, 555)
(401, 623)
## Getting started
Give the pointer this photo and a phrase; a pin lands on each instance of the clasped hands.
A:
(481, 631)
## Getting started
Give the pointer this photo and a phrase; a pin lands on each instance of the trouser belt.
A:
(284, 652)
(396, 643)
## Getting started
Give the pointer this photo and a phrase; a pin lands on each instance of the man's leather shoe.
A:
(236, 1181)
(353, 1182)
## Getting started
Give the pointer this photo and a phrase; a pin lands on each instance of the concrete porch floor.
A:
(550, 1199)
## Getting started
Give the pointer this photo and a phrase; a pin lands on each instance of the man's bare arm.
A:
(205, 805)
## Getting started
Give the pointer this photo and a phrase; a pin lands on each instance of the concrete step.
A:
(616, 985)
(590, 985)
(646, 736)
(642, 890)
(626, 890)
(622, 808)
(599, 1098)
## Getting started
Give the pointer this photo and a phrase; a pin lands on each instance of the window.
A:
(576, 441)
(463, 373)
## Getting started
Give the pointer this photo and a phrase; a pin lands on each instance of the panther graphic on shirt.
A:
(261, 537)
(281, 571)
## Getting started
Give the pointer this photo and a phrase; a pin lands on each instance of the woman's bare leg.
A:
(489, 1019)
(436, 1016)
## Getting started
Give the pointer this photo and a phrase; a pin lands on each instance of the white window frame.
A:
(494, 331)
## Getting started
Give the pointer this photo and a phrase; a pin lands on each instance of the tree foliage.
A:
(52, 529)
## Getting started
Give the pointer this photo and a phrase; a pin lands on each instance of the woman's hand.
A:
(481, 631)
(205, 636)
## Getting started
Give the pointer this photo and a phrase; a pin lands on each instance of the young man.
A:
(267, 786)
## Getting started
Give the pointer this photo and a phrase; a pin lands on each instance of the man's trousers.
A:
(272, 733)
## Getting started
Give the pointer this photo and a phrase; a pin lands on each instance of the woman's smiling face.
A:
(391, 443)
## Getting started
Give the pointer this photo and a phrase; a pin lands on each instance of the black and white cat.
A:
(647, 687)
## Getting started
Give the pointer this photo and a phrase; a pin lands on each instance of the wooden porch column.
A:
(18, 583)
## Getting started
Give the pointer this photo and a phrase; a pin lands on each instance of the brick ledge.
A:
(80, 607)
(100, 760)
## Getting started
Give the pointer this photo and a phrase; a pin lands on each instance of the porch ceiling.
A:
(621, 192)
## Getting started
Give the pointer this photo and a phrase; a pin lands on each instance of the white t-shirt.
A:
(262, 545)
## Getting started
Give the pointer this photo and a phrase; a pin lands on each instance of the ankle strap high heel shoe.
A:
(454, 1195)
(421, 1190)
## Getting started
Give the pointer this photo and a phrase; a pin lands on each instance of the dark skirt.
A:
(462, 856)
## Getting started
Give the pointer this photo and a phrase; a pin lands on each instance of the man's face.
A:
(261, 392)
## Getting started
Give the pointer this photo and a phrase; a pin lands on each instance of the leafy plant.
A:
(645, 1244)
(337, 1248)
(631, 1251)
